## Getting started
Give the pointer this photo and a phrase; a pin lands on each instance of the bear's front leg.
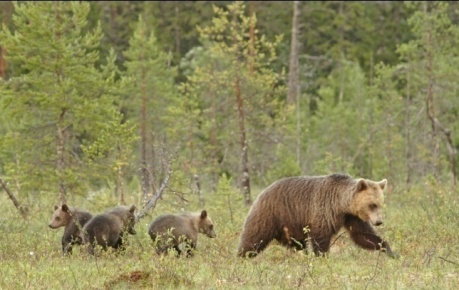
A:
(365, 236)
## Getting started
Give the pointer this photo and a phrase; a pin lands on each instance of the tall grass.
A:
(421, 225)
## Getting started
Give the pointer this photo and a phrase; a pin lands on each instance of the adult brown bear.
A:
(296, 210)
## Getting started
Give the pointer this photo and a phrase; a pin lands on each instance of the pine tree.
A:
(431, 60)
(61, 100)
(150, 79)
(233, 93)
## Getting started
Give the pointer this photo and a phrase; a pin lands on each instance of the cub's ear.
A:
(55, 207)
(361, 185)
(65, 207)
(383, 183)
(132, 209)
(203, 214)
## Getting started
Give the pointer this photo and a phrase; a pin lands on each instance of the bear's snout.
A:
(378, 223)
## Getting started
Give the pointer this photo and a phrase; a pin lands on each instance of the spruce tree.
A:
(234, 96)
(150, 80)
(59, 100)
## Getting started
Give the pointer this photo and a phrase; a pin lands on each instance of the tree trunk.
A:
(2, 63)
(293, 86)
(245, 181)
(433, 119)
(7, 10)
(60, 166)
(61, 128)
(145, 182)
(177, 36)
(369, 153)
(252, 39)
(341, 49)
(408, 149)
(122, 200)
(293, 93)
(198, 188)
(152, 172)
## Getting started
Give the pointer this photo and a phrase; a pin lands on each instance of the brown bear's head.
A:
(61, 217)
(206, 226)
(368, 201)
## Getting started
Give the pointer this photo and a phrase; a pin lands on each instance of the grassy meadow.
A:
(421, 224)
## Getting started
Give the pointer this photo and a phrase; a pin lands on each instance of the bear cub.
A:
(297, 211)
(72, 221)
(108, 229)
(180, 232)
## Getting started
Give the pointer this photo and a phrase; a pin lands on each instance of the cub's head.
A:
(206, 226)
(368, 201)
(61, 217)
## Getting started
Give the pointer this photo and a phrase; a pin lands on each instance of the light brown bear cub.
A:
(72, 221)
(108, 229)
(296, 210)
(177, 231)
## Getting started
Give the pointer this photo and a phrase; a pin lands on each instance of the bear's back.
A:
(78, 221)
(162, 224)
(301, 201)
(105, 224)
(301, 188)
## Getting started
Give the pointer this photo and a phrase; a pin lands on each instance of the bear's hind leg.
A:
(286, 238)
(251, 250)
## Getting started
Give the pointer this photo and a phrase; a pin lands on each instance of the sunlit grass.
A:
(421, 226)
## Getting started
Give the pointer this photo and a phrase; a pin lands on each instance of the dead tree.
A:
(152, 202)
(22, 209)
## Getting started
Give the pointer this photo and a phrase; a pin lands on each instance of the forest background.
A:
(207, 103)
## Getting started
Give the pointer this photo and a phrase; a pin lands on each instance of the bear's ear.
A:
(65, 207)
(361, 185)
(55, 207)
(203, 214)
(132, 209)
(383, 183)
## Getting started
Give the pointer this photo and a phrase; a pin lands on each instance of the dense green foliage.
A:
(97, 98)
(362, 107)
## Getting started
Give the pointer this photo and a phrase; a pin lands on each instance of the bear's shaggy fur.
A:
(297, 209)
(173, 231)
(73, 221)
(107, 229)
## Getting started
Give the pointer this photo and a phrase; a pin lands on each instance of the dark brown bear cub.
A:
(296, 210)
(73, 221)
(180, 231)
(107, 230)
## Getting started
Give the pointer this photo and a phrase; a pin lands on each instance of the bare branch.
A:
(152, 202)
(449, 261)
(21, 208)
